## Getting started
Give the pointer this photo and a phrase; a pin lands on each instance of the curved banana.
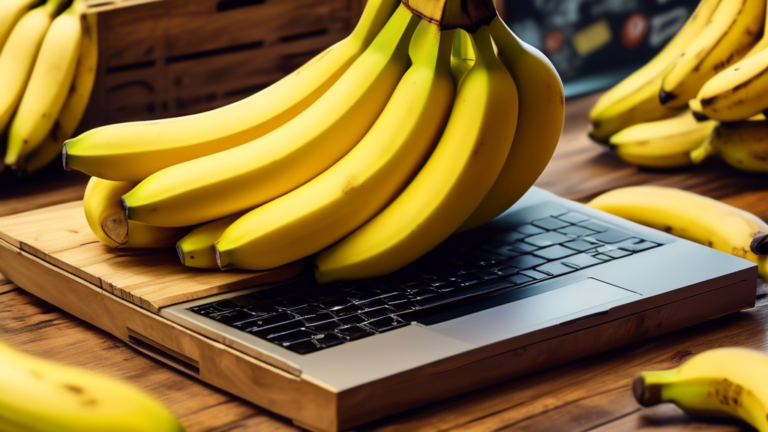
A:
(730, 34)
(742, 145)
(19, 54)
(48, 85)
(196, 248)
(692, 217)
(453, 182)
(134, 151)
(636, 99)
(106, 219)
(731, 382)
(540, 123)
(262, 170)
(42, 396)
(74, 106)
(462, 57)
(662, 144)
(361, 184)
(11, 12)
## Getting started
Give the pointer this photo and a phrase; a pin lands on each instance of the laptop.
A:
(548, 282)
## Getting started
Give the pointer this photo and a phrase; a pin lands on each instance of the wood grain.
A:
(589, 395)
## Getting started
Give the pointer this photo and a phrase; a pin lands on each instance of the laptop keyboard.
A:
(306, 317)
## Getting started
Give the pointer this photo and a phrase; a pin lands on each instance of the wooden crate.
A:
(166, 58)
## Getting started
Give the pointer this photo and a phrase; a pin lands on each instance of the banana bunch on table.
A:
(428, 119)
(704, 94)
(48, 56)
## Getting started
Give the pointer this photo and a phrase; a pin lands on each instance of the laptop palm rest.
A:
(562, 305)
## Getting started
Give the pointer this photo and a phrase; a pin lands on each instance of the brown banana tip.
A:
(646, 396)
(598, 140)
(64, 157)
(180, 252)
(125, 208)
(217, 253)
(666, 97)
(760, 244)
(700, 116)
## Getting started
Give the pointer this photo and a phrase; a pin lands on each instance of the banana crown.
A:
(450, 14)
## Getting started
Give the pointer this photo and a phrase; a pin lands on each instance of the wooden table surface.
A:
(589, 395)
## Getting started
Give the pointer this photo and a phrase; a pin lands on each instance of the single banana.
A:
(540, 123)
(134, 151)
(462, 57)
(730, 382)
(245, 177)
(729, 36)
(636, 99)
(11, 12)
(742, 145)
(662, 144)
(48, 85)
(19, 55)
(37, 395)
(196, 248)
(360, 185)
(450, 186)
(693, 217)
(106, 219)
(75, 105)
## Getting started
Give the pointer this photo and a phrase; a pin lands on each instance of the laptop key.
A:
(511, 237)
(353, 332)
(548, 239)
(385, 324)
(318, 318)
(573, 217)
(533, 274)
(618, 253)
(529, 229)
(523, 247)
(612, 236)
(333, 304)
(575, 231)
(374, 314)
(636, 245)
(594, 226)
(603, 257)
(265, 333)
(554, 252)
(581, 245)
(550, 224)
(508, 271)
(347, 310)
(304, 347)
(581, 261)
(329, 340)
(350, 320)
(520, 279)
(267, 321)
(232, 317)
(526, 261)
(555, 268)
(293, 336)
(327, 326)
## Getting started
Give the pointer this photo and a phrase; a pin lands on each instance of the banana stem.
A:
(706, 150)
(54, 6)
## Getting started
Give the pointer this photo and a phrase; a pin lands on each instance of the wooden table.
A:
(590, 395)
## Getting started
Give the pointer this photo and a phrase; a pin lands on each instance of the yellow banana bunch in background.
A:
(48, 62)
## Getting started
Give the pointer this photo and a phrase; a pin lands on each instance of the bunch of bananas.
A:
(47, 67)
(696, 218)
(41, 396)
(715, 70)
(430, 118)
(725, 382)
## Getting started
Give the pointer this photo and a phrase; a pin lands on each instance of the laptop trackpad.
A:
(551, 308)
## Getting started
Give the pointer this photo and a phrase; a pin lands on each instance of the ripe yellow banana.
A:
(134, 151)
(37, 395)
(196, 248)
(262, 170)
(662, 144)
(453, 182)
(361, 184)
(730, 382)
(693, 217)
(74, 107)
(11, 12)
(19, 55)
(540, 123)
(48, 85)
(107, 219)
(463, 57)
(730, 34)
(742, 145)
(636, 99)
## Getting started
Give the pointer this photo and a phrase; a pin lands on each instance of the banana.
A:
(48, 85)
(462, 57)
(361, 184)
(693, 217)
(662, 144)
(636, 99)
(540, 123)
(75, 105)
(196, 249)
(134, 151)
(730, 382)
(262, 170)
(106, 219)
(742, 145)
(19, 54)
(11, 12)
(37, 395)
(729, 36)
(450, 186)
